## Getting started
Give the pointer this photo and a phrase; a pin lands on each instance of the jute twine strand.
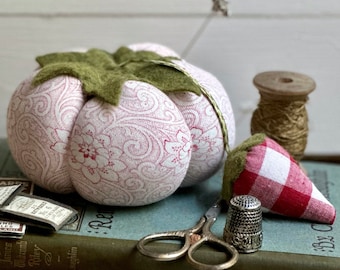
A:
(220, 117)
(216, 108)
(284, 120)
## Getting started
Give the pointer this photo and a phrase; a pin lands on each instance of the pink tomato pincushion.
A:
(127, 128)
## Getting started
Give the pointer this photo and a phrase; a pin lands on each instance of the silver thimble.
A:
(243, 228)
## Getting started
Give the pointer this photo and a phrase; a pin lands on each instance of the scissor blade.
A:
(214, 210)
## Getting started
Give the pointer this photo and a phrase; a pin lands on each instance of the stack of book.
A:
(102, 237)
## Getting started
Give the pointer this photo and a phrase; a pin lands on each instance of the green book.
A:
(103, 237)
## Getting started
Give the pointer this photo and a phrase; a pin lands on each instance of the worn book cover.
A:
(106, 236)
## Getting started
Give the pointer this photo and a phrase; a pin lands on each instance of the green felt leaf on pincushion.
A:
(236, 162)
(103, 74)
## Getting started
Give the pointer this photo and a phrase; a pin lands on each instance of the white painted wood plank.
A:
(175, 7)
(113, 7)
(286, 8)
(236, 50)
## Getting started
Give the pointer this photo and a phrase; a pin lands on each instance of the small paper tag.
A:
(8, 192)
(9, 228)
(43, 210)
(27, 184)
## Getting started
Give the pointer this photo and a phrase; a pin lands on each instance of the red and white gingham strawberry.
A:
(262, 168)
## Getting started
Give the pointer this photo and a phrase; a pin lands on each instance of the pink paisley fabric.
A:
(109, 155)
(133, 154)
(276, 179)
(207, 150)
(39, 123)
(137, 153)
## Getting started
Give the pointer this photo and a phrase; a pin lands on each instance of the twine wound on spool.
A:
(281, 113)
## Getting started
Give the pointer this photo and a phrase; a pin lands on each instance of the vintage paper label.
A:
(8, 225)
(39, 209)
(27, 184)
(6, 192)
(8, 228)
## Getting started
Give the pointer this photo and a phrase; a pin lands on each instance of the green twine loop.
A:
(103, 74)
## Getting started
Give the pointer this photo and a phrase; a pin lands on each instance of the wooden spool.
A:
(282, 89)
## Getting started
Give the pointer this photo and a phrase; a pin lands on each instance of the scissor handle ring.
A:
(168, 256)
(229, 249)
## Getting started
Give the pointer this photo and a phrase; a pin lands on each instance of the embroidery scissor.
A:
(201, 231)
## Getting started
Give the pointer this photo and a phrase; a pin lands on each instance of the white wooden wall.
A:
(261, 35)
